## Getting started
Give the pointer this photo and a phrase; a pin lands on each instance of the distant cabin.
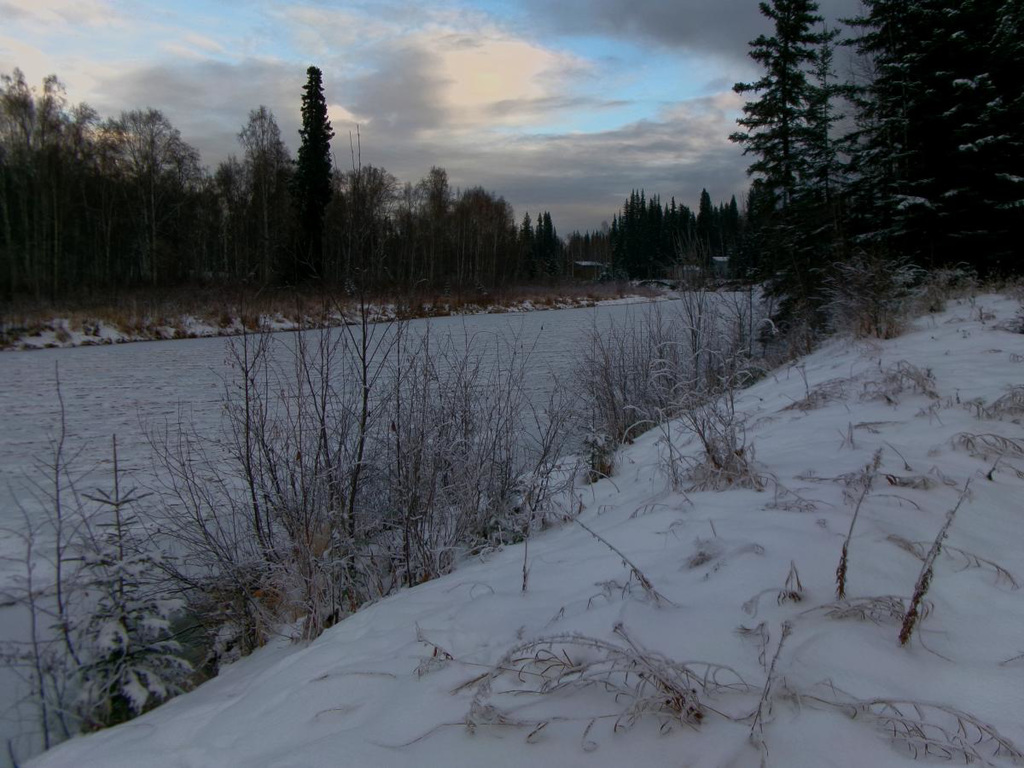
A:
(588, 270)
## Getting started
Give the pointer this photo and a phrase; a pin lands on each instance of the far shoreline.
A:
(174, 317)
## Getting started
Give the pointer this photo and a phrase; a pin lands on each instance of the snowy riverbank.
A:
(472, 670)
(85, 330)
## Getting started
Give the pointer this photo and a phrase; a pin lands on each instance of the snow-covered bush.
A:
(599, 449)
(645, 372)
(629, 372)
(870, 295)
(940, 285)
(360, 461)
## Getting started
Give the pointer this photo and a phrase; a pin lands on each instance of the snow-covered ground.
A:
(412, 680)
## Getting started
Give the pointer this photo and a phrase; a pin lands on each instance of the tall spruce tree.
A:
(776, 122)
(705, 229)
(783, 130)
(312, 180)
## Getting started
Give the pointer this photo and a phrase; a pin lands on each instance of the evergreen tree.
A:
(776, 122)
(889, 156)
(526, 246)
(129, 660)
(787, 130)
(312, 180)
(938, 156)
(705, 229)
(823, 173)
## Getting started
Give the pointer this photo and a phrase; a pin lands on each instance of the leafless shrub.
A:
(899, 378)
(942, 285)
(966, 560)
(1015, 324)
(645, 681)
(629, 372)
(98, 648)
(869, 295)
(646, 372)
(726, 460)
(600, 455)
(358, 461)
(927, 569)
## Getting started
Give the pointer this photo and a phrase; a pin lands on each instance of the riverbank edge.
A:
(66, 332)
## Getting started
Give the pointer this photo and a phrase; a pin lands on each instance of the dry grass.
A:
(924, 580)
(880, 609)
(898, 379)
(924, 729)
(915, 482)
(864, 480)
(937, 731)
(635, 573)
(961, 557)
(791, 592)
(821, 395)
(639, 681)
(162, 313)
(1010, 406)
(988, 445)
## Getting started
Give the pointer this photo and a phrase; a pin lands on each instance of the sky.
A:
(559, 105)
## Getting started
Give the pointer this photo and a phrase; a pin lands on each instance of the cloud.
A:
(583, 178)
(59, 12)
(208, 101)
(429, 85)
(716, 28)
(480, 73)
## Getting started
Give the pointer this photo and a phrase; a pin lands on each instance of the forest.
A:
(90, 204)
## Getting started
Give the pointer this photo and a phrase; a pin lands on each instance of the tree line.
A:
(93, 204)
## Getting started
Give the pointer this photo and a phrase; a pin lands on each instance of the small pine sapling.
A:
(133, 661)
